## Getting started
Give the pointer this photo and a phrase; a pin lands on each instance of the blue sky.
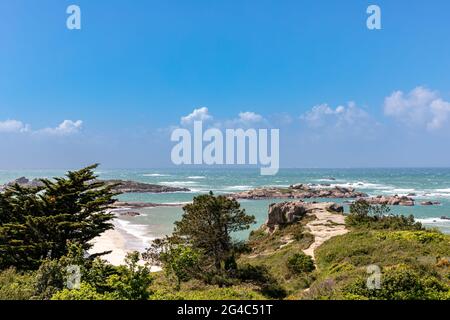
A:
(342, 95)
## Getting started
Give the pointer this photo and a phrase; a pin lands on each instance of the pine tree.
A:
(207, 225)
(38, 223)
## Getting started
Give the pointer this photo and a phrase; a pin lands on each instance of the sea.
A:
(426, 183)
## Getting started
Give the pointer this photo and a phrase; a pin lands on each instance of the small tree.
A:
(207, 225)
(132, 281)
(364, 215)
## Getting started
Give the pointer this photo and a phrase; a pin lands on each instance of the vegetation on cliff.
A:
(315, 252)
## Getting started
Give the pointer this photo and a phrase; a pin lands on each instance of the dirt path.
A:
(326, 226)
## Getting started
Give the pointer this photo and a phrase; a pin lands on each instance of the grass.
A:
(163, 289)
(276, 249)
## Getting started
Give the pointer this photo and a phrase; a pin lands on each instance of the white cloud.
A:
(420, 107)
(200, 114)
(64, 128)
(250, 116)
(342, 116)
(13, 126)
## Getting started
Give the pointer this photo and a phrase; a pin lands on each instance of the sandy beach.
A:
(119, 242)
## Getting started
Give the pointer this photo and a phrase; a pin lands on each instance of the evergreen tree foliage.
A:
(207, 225)
(36, 223)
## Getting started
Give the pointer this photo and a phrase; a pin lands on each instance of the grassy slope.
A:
(341, 262)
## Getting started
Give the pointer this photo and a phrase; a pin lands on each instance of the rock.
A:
(285, 213)
(21, 181)
(430, 203)
(129, 214)
(298, 191)
(445, 218)
(390, 200)
(334, 207)
(124, 206)
(140, 187)
(24, 182)
(122, 186)
(411, 194)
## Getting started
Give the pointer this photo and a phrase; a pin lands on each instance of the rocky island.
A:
(299, 191)
(325, 191)
(122, 186)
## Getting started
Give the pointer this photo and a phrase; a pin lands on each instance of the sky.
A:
(342, 95)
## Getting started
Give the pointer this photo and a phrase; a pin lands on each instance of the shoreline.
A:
(119, 242)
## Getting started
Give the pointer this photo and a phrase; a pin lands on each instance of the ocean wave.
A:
(138, 231)
(357, 185)
(196, 177)
(234, 188)
(178, 183)
(155, 175)
(432, 220)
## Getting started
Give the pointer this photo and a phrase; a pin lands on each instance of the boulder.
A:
(129, 214)
(285, 213)
(430, 203)
(390, 200)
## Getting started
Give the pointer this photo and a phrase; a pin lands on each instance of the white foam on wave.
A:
(327, 180)
(138, 231)
(238, 188)
(155, 175)
(357, 185)
(178, 183)
(196, 177)
(279, 185)
(434, 221)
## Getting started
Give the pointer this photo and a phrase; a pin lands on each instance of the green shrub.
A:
(300, 263)
(401, 283)
(132, 280)
(85, 292)
(16, 286)
(365, 216)
(260, 275)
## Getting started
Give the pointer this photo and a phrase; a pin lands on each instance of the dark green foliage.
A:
(401, 283)
(15, 285)
(260, 276)
(207, 225)
(128, 282)
(178, 260)
(37, 223)
(132, 281)
(300, 263)
(364, 215)
(52, 275)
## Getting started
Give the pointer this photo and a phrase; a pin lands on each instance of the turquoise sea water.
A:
(426, 183)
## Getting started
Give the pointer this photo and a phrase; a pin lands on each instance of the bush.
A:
(401, 283)
(16, 286)
(365, 216)
(132, 281)
(86, 292)
(300, 263)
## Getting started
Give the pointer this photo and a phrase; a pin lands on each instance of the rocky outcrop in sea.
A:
(299, 191)
(123, 186)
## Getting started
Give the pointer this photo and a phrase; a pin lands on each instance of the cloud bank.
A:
(420, 107)
(67, 127)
